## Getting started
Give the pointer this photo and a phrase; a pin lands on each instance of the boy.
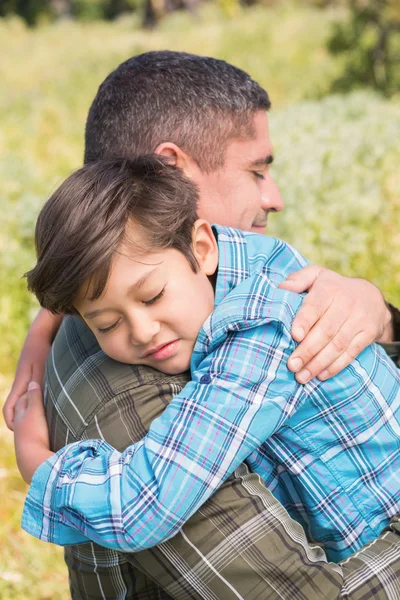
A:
(129, 255)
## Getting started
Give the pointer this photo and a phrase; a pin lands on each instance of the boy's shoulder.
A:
(251, 266)
(255, 253)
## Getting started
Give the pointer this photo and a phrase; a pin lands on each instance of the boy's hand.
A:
(32, 361)
(339, 317)
(31, 434)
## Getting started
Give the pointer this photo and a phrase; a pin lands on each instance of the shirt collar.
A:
(233, 263)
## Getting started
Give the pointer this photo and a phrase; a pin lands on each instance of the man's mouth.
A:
(260, 227)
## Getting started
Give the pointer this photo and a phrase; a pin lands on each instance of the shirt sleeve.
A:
(240, 394)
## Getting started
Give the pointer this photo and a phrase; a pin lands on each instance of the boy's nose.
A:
(143, 331)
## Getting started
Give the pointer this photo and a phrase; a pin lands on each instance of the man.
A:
(209, 119)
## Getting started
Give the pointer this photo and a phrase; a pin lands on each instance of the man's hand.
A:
(32, 361)
(339, 317)
(31, 435)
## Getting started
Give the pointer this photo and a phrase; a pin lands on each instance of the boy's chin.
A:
(173, 369)
(173, 366)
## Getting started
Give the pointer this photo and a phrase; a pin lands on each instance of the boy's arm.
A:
(142, 496)
(242, 543)
(32, 361)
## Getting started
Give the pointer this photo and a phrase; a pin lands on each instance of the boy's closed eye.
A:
(104, 330)
(109, 328)
(155, 298)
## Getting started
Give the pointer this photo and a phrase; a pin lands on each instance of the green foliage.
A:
(369, 40)
(34, 11)
(337, 167)
(28, 568)
(29, 10)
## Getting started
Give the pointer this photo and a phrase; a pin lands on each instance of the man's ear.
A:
(205, 247)
(177, 157)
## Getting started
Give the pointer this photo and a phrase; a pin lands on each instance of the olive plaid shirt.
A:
(240, 544)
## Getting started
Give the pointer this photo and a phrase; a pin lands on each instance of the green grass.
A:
(28, 568)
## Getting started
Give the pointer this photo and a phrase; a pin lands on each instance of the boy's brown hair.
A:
(84, 223)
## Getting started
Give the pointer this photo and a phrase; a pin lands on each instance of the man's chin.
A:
(259, 228)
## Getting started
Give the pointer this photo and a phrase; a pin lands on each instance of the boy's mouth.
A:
(162, 351)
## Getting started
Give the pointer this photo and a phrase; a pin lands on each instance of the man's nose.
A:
(271, 199)
(143, 329)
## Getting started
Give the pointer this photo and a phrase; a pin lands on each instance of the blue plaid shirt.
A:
(329, 451)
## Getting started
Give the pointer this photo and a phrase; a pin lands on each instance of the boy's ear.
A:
(205, 247)
(177, 157)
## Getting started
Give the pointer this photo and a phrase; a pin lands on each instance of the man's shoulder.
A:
(81, 379)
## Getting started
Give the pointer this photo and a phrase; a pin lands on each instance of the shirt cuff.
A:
(42, 516)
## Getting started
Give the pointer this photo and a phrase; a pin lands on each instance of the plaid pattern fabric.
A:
(332, 452)
(240, 544)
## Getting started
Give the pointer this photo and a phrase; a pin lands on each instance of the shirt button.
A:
(205, 379)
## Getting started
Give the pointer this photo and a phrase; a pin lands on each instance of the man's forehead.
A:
(258, 148)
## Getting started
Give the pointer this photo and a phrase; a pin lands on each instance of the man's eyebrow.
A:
(135, 286)
(263, 162)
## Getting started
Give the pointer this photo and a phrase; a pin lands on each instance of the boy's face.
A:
(154, 305)
(242, 192)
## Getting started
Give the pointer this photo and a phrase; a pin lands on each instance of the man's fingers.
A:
(21, 405)
(352, 351)
(8, 411)
(9, 406)
(302, 280)
(343, 347)
(323, 345)
(308, 315)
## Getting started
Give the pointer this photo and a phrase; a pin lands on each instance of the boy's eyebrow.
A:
(136, 285)
(94, 313)
(263, 162)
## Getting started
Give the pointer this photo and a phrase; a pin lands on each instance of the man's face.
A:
(242, 192)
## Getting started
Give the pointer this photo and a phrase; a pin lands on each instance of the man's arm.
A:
(32, 361)
(393, 348)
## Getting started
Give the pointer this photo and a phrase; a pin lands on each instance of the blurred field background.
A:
(337, 158)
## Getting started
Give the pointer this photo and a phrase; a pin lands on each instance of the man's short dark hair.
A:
(198, 103)
(84, 223)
